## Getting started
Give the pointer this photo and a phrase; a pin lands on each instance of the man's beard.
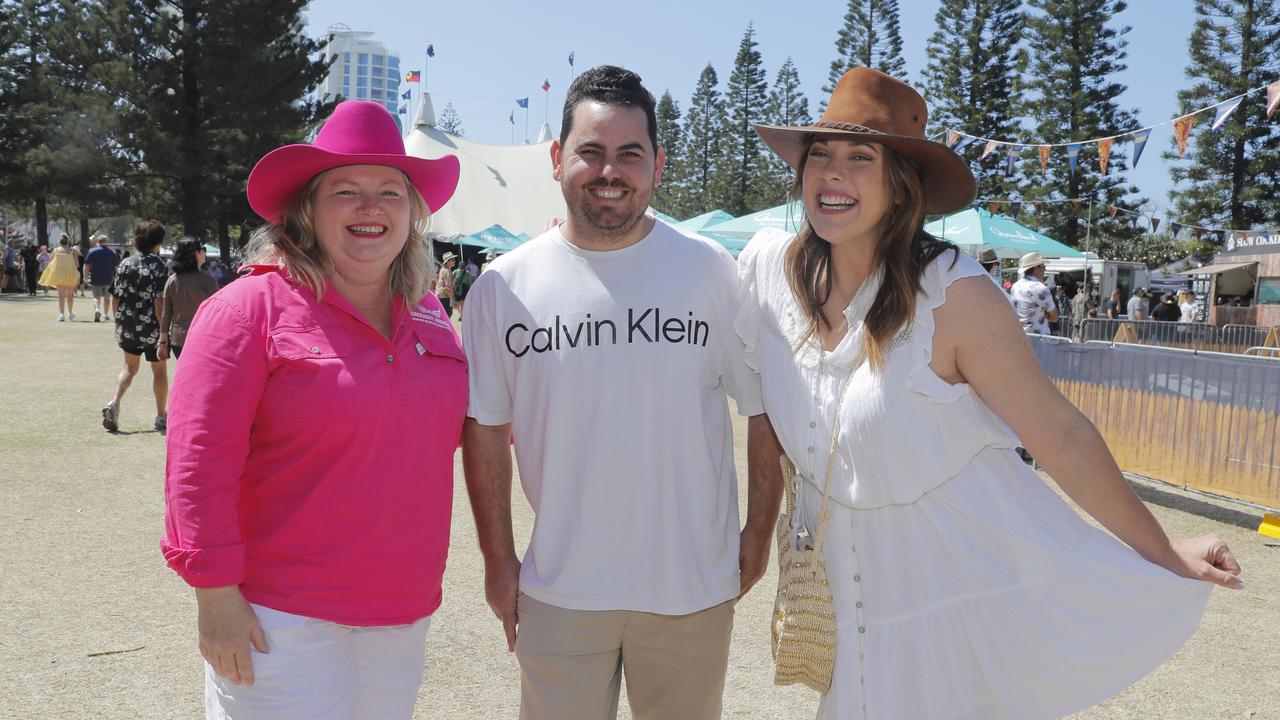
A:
(609, 222)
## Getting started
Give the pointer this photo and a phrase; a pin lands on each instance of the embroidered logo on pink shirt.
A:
(431, 317)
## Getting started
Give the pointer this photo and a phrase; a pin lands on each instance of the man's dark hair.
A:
(147, 236)
(609, 85)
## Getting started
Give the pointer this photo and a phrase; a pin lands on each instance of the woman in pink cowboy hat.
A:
(893, 375)
(312, 429)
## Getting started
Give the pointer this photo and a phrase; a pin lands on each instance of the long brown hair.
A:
(903, 249)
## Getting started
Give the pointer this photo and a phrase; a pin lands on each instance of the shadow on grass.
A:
(133, 432)
(1238, 516)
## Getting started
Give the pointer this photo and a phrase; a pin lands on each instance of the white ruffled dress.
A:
(964, 586)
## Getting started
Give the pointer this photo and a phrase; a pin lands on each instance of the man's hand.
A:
(501, 585)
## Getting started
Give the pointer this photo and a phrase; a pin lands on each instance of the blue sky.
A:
(489, 53)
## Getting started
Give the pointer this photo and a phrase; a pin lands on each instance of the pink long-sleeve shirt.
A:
(310, 460)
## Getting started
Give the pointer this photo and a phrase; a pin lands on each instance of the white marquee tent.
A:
(507, 185)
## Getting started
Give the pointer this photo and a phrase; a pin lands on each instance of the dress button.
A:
(391, 358)
(857, 578)
(315, 350)
(862, 629)
(813, 424)
(858, 604)
(810, 448)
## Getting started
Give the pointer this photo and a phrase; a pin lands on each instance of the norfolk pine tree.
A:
(742, 164)
(973, 79)
(704, 129)
(870, 37)
(1231, 176)
(1075, 53)
(450, 122)
(787, 105)
(667, 197)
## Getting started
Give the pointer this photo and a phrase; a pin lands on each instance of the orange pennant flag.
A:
(1037, 204)
(1182, 131)
(1273, 97)
(1113, 210)
(1077, 201)
(1104, 153)
(1155, 224)
(992, 207)
(1044, 159)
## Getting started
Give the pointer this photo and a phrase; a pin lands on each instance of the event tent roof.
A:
(975, 228)
(705, 219)
(494, 237)
(783, 217)
(507, 185)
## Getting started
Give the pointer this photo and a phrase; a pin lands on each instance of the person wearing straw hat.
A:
(315, 540)
(445, 282)
(1032, 299)
(963, 586)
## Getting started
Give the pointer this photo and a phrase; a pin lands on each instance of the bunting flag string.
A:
(1104, 153)
(1044, 160)
(991, 146)
(1182, 131)
(1133, 217)
(1224, 111)
(1140, 139)
(1073, 152)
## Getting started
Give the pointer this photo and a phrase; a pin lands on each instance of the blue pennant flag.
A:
(1073, 152)
(512, 117)
(431, 50)
(523, 102)
(1175, 228)
(965, 141)
(1224, 111)
(1013, 155)
(1140, 139)
(404, 110)
(404, 95)
(570, 58)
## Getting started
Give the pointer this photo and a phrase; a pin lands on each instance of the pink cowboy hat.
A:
(357, 133)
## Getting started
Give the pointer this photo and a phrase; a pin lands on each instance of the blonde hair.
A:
(903, 249)
(291, 245)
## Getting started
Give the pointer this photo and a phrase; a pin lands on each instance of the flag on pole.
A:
(1139, 142)
(1224, 111)
(431, 50)
(404, 95)
(1044, 162)
(1104, 153)
(1273, 97)
(1073, 152)
(523, 102)
(413, 76)
(404, 110)
(1182, 131)
(546, 85)
(512, 117)
(570, 58)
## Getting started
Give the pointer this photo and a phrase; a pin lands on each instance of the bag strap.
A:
(824, 514)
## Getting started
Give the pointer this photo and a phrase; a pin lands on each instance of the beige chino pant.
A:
(572, 662)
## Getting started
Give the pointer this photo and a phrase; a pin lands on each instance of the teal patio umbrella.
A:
(494, 237)
(976, 228)
(788, 217)
(705, 219)
(732, 243)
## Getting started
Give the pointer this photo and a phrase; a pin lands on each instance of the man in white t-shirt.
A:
(1137, 305)
(605, 348)
(1031, 297)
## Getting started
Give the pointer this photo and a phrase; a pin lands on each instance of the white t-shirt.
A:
(1136, 305)
(612, 368)
(1032, 300)
(1188, 312)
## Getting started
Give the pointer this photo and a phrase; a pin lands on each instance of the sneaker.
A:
(71, 317)
(62, 318)
(162, 423)
(110, 413)
(106, 318)
(97, 316)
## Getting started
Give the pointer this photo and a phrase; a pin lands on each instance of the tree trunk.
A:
(190, 189)
(42, 220)
(224, 235)
(84, 229)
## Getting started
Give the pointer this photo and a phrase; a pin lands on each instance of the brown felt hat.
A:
(872, 106)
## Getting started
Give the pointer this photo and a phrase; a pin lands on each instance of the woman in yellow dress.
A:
(63, 276)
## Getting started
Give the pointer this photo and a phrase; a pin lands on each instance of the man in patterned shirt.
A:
(139, 290)
(1031, 297)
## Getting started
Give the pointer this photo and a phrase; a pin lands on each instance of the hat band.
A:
(848, 127)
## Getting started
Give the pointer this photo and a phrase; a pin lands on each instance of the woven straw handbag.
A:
(804, 617)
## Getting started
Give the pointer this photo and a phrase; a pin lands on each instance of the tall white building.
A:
(364, 69)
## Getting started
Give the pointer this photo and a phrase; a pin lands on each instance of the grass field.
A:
(95, 625)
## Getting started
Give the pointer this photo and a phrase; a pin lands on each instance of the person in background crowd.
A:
(444, 282)
(315, 416)
(1167, 310)
(1186, 303)
(1080, 306)
(1136, 308)
(636, 558)
(1031, 298)
(1114, 306)
(139, 291)
(990, 262)
(462, 280)
(963, 585)
(472, 268)
(100, 270)
(12, 275)
(1061, 326)
(81, 249)
(186, 288)
(62, 276)
(489, 257)
(31, 266)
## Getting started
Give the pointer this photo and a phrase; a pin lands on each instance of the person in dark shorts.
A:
(139, 291)
(186, 288)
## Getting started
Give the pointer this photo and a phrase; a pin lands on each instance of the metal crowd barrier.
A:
(1272, 352)
(1244, 336)
(1192, 336)
(1203, 420)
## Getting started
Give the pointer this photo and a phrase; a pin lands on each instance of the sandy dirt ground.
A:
(95, 625)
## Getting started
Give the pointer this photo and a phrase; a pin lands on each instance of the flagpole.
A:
(526, 122)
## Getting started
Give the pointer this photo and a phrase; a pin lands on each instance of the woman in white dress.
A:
(964, 587)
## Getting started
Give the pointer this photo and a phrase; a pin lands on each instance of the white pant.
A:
(317, 670)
